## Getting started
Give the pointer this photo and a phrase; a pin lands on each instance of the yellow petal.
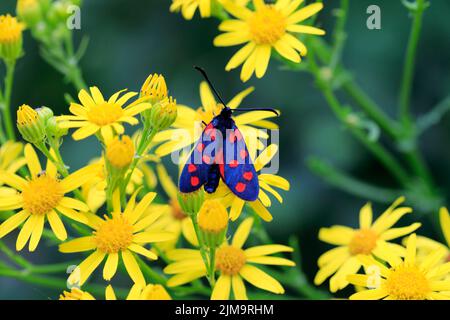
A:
(328, 269)
(411, 249)
(286, 51)
(133, 268)
(375, 294)
(260, 279)
(79, 177)
(337, 235)
(266, 250)
(183, 278)
(142, 251)
(141, 207)
(57, 226)
(152, 236)
(444, 218)
(25, 233)
(109, 293)
(13, 180)
(85, 131)
(365, 216)
(222, 288)
(261, 210)
(86, 268)
(399, 232)
(32, 160)
(249, 67)
(274, 261)
(242, 233)
(13, 222)
(305, 29)
(239, 290)
(73, 204)
(11, 202)
(304, 13)
(262, 60)
(339, 280)
(86, 99)
(332, 254)
(110, 268)
(78, 245)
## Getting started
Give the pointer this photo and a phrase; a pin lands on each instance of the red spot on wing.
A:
(248, 175)
(240, 187)
(232, 137)
(195, 181)
(192, 168)
(222, 170)
(238, 134)
(243, 153)
(233, 164)
(206, 159)
(213, 135)
(200, 147)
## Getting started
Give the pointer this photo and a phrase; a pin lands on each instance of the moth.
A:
(221, 153)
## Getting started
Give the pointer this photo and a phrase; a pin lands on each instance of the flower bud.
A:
(154, 88)
(213, 221)
(44, 113)
(10, 38)
(54, 130)
(29, 11)
(120, 153)
(31, 126)
(163, 114)
(191, 202)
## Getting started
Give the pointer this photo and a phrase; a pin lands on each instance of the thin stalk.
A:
(7, 117)
(17, 259)
(409, 66)
(203, 252)
(339, 35)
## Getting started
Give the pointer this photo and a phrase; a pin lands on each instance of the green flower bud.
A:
(54, 130)
(29, 11)
(191, 202)
(31, 126)
(163, 114)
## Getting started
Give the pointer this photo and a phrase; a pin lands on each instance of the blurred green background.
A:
(130, 39)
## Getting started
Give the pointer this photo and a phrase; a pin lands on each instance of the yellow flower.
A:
(188, 8)
(370, 239)
(76, 294)
(29, 11)
(426, 245)
(120, 152)
(11, 158)
(95, 114)
(268, 26)
(233, 263)
(30, 125)
(185, 132)
(119, 235)
(154, 88)
(138, 292)
(267, 182)
(42, 196)
(93, 190)
(10, 37)
(407, 279)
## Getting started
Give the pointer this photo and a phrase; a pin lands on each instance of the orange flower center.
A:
(230, 260)
(267, 25)
(105, 114)
(407, 283)
(42, 194)
(363, 242)
(114, 235)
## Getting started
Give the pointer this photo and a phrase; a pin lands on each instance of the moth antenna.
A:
(203, 72)
(257, 109)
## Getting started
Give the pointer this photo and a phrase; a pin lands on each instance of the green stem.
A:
(153, 275)
(212, 266)
(341, 113)
(49, 282)
(409, 66)
(17, 259)
(7, 117)
(349, 184)
(339, 35)
(202, 248)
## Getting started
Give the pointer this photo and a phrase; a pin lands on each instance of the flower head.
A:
(213, 222)
(120, 152)
(405, 279)
(154, 88)
(269, 26)
(95, 114)
(163, 114)
(233, 263)
(30, 124)
(188, 8)
(117, 236)
(372, 238)
(29, 11)
(43, 196)
(10, 37)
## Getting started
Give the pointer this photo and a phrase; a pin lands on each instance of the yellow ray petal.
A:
(78, 245)
(110, 268)
(266, 250)
(444, 218)
(222, 288)
(239, 290)
(304, 13)
(242, 233)
(13, 222)
(25, 233)
(57, 226)
(32, 160)
(260, 279)
(337, 235)
(142, 251)
(85, 131)
(365, 216)
(133, 268)
(375, 294)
